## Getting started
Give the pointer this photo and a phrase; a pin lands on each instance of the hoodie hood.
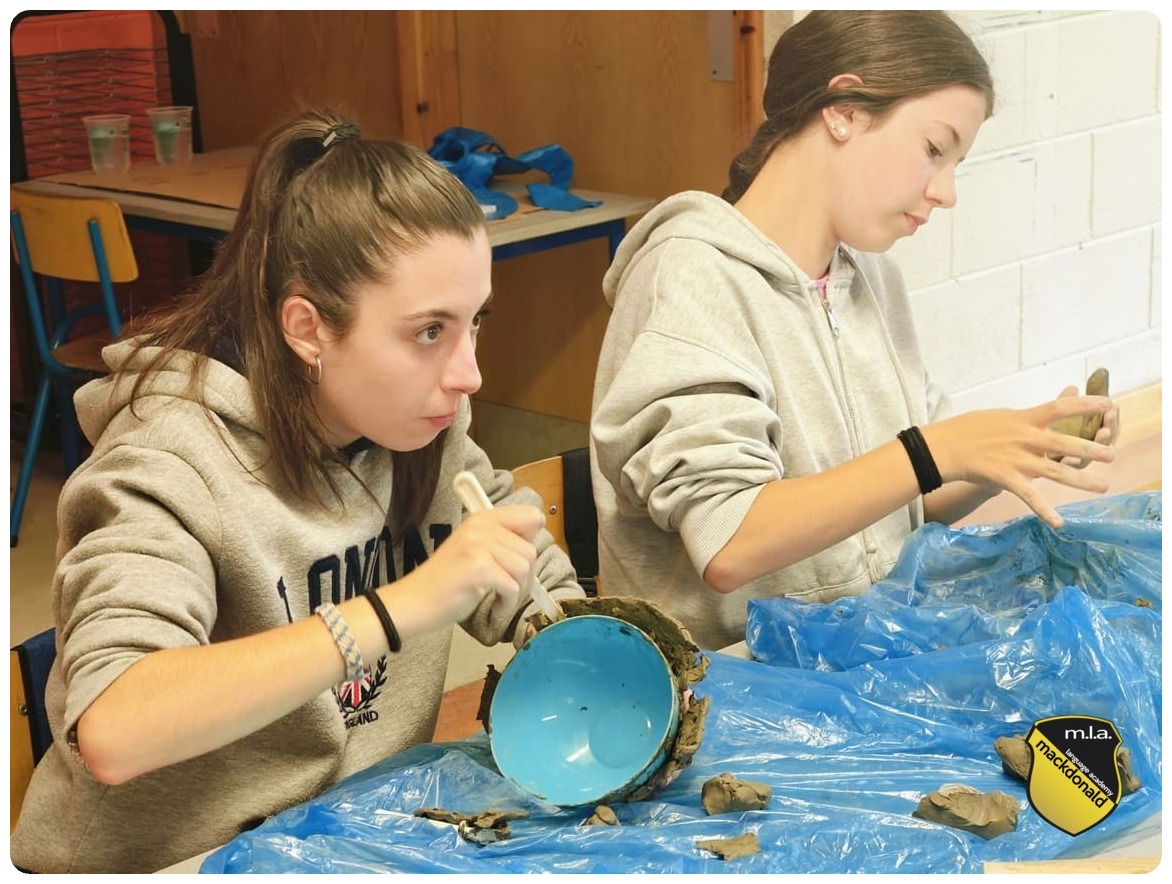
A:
(723, 369)
(103, 404)
(712, 221)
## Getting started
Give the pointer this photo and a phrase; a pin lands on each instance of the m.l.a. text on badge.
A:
(1074, 781)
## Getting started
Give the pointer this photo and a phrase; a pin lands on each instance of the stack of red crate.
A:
(70, 65)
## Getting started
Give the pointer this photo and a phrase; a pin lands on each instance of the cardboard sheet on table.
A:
(214, 179)
(516, 190)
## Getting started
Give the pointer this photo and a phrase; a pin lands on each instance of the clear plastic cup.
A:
(171, 129)
(109, 140)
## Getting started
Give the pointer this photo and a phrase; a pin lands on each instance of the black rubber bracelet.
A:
(927, 473)
(393, 641)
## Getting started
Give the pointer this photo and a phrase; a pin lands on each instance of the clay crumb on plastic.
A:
(732, 848)
(987, 814)
(486, 827)
(726, 794)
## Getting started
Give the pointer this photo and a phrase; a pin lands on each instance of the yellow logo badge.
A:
(1074, 780)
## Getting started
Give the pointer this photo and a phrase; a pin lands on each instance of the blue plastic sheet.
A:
(849, 741)
(952, 587)
(477, 159)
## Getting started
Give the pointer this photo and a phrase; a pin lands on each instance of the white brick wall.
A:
(1050, 264)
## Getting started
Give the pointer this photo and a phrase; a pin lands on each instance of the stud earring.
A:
(839, 131)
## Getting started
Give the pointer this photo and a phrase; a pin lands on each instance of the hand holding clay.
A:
(1088, 425)
(1009, 448)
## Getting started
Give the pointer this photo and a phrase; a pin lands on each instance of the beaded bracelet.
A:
(343, 638)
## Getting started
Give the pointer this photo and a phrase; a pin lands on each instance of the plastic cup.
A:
(171, 130)
(109, 140)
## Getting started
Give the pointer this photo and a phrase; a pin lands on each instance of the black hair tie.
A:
(393, 641)
(927, 473)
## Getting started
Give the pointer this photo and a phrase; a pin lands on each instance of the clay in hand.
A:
(1086, 425)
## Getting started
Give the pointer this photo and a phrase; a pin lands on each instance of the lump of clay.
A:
(724, 794)
(1129, 782)
(987, 814)
(491, 677)
(485, 827)
(732, 848)
(1017, 757)
(1086, 426)
(602, 816)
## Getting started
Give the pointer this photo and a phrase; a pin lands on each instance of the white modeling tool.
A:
(472, 495)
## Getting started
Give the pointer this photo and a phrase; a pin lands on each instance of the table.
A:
(906, 721)
(199, 202)
(1136, 850)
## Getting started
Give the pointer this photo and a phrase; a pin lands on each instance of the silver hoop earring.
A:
(315, 380)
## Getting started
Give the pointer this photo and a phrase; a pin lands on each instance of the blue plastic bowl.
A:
(584, 712)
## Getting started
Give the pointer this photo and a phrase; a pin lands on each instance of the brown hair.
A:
(897, 54)
(324, 211)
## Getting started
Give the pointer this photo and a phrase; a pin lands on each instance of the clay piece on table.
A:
(687, 664)
(602, 816)
(732, 848)
(1128, 781)
(485, 827)
(1017, 757)
(725, 794)
(987, 814)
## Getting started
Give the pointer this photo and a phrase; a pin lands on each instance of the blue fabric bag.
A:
(849, 734)
(477, 159)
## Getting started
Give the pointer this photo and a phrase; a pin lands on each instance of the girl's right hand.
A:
(490, 552)
(1009, 448)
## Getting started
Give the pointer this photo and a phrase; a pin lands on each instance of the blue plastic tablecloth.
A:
(864, 707)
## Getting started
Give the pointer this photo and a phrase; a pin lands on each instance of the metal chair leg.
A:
(28, 460)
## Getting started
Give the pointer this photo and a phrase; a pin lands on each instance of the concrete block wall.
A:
(1050, 264)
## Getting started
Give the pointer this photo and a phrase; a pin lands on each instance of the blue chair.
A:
(59, 239)
(30, 662)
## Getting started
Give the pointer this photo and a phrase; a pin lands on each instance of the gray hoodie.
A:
(176, 533)
(721, 371)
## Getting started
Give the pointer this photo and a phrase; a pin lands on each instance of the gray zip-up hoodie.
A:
(723, 370)
(177, 532)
